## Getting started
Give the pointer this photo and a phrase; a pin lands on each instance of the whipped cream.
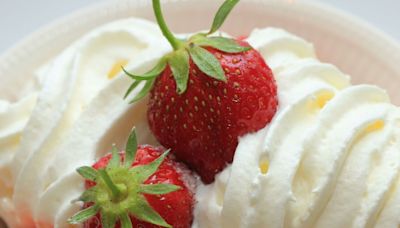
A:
(73, 120)
(13, 119)
(329, 158)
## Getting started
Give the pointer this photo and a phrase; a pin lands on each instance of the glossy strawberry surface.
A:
(202, 125)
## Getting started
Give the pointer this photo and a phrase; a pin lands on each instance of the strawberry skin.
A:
(175, 207)
(202, 125)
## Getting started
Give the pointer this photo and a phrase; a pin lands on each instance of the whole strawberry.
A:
(205, 94)
(139, 188)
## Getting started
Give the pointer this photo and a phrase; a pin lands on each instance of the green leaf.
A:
(125, 221)
(149, 77)
(108, 220)
(154, 72)
(130, 149)
(84, 215)
(179, 63)
(87, 172)
(143, 172)
(89, 195)
(158, 189)
(131, 88)
(115, 159)
(207, 63)
(221, 15)
(224, 44)
(143, 211)
(145, 90)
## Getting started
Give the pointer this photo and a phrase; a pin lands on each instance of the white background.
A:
(18, 18)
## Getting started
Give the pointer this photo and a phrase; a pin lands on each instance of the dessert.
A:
(329, 157)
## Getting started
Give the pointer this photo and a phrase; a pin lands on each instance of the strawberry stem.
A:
(175, 43)
(116, 193)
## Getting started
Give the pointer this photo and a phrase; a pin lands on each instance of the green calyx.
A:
(119, 189)
(194, 48)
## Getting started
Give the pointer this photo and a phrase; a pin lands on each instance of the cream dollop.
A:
(78, 114)
(329, 158)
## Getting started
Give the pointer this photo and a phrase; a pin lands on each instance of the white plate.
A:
(357, 48)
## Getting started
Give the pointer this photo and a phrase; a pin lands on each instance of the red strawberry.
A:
(202, 125)
(205, 94)
(154, 190)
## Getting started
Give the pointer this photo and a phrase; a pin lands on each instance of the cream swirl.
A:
(78, 115)
(329, 158)
(13, 119)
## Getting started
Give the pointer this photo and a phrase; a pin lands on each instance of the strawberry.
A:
(203, 124)
(137, 188)
(205, 94)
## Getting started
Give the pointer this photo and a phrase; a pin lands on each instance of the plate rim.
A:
(91, 9)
